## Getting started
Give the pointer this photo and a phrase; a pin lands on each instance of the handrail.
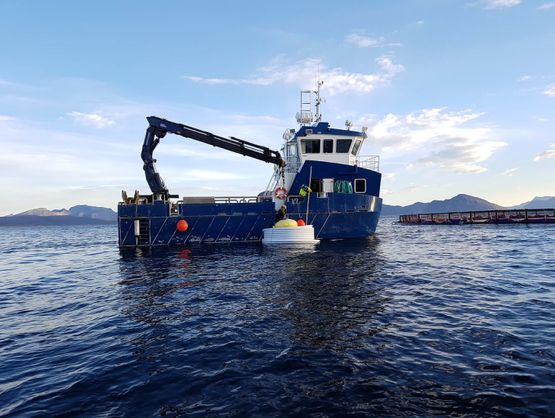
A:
(371, 162)
(221, 199)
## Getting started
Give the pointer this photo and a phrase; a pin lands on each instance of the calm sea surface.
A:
(418, 321)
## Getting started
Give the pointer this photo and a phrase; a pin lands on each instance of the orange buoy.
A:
(300, 222)
(182, 225)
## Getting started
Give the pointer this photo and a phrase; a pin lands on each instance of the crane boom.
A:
(158, 128)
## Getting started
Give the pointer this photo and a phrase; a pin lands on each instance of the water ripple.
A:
(418, 321)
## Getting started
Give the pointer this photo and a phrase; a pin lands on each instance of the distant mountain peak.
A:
(538, 202)
(78, 211)
(464, 203)
(43, 212)
(459, 203)
(93, 212)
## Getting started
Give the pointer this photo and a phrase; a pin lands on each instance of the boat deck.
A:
(523, 216)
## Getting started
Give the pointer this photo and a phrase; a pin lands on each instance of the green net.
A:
(342, 186)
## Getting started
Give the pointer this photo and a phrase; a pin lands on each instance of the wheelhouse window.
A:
(343, 146)
(311, 146)
(328, 146)
(360, 185)
(356, 147)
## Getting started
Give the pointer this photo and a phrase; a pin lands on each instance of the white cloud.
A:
(510, 172)
(500, 4)
(550, 90)
(525, 77)
(546, 6)
(61, 159)
(302, 73)
(222, 80)
(437, 138)
(364, 41)
(548, 153)
(92, 119)
(461, 156)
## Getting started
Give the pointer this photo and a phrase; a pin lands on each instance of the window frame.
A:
(356, 147)
(312, 141)
(355, 185)
(350, 140)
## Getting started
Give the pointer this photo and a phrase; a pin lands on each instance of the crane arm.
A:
(158, 128)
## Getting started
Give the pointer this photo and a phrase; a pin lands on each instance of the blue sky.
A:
(459, 96)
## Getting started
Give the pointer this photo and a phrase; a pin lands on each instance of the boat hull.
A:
(336, 216)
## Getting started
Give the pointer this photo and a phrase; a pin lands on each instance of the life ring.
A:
(281, 193)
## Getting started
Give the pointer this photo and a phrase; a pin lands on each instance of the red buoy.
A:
(300, 222)
(182, 225)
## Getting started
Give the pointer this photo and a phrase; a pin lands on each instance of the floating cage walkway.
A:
(523, 216)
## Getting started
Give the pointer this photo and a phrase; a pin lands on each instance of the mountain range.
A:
(544, 202)
(464, 203)
(76, 215)
(86, 215)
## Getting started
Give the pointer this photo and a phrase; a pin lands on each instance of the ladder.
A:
(144, 232)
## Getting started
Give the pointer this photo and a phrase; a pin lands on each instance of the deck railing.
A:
(222, 199)
(371, 162)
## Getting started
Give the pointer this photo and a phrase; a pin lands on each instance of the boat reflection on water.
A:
(211, 320)
(322, 295)
(330, 294)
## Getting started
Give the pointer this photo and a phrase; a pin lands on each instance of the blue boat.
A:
(321, 179)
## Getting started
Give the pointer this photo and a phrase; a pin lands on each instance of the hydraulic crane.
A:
(158, 128)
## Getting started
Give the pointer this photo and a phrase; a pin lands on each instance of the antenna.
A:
(319, 83)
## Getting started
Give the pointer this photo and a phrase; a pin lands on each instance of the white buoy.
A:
(294, 235)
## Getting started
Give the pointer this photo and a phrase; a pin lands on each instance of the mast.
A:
(305, 115)
(318, 116)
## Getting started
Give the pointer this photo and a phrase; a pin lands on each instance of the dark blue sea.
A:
(417, 321)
